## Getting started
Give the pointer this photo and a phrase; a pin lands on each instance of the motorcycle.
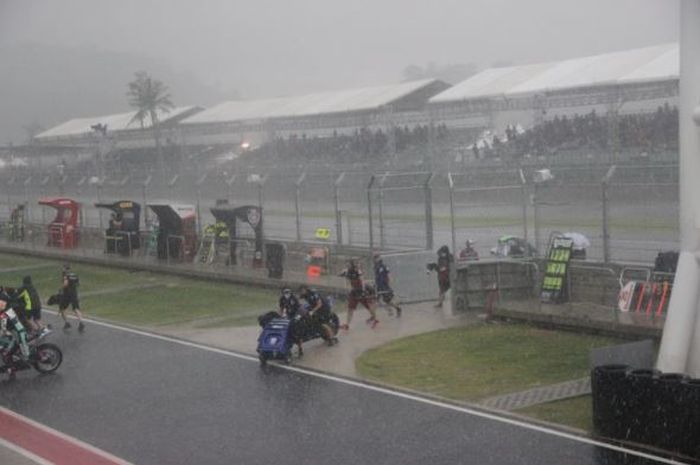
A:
(44, 357)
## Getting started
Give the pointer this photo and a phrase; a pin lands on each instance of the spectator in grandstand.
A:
(647, 132)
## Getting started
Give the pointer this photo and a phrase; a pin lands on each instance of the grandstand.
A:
(319, 114)
(630, 81)
(79, 132)
(607, 103)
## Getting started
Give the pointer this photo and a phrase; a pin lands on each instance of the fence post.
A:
(381, 212)
(144, 196)
(28, 210)
(98, 186)
(10, 185)
(523, 183)
(428, 190)
(261, 188)
(199, 183)
(536, 216)
(338, 215)
(171, 186)
(604, 200)
(297, 203)
(369, 213)
(451, 185)
(229, 187)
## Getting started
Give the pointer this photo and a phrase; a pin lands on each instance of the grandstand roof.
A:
(118, 122)
(649, 64)
(366, 98)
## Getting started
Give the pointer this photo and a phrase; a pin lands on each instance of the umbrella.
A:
(580, 241)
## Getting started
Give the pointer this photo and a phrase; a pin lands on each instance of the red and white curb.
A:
(46, 446)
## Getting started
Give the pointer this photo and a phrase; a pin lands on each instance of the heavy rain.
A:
(349, 232)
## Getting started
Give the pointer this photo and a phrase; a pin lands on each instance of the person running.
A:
(357, 296)
(382, 280)
(69, 296)
(29, 297)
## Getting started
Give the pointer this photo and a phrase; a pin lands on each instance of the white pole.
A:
(680, 332)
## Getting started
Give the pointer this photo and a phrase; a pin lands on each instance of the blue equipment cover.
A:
(274, 339)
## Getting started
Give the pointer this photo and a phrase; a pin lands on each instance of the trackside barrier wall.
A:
(510, 279)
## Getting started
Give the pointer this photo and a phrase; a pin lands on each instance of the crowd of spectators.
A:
(645, 132)
(361, 146)
(655, 132)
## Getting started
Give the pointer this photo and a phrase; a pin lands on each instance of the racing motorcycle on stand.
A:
(44, 357)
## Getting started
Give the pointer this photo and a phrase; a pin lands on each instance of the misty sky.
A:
(268, 48)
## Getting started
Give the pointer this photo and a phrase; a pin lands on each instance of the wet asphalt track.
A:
(153, 401)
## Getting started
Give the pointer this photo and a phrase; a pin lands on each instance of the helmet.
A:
(286, 292)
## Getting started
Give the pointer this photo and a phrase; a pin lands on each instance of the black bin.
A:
(609, 400)
(690, 431)
(668, 412)
(275, 256)
(641, 388)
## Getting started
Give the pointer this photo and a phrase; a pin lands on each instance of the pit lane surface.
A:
(151, 400)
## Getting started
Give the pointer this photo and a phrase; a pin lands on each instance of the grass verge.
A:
(476, 362)
(166, 300)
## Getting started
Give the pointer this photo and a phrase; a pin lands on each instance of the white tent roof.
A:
(656, 63)
(366, 98)
(117, 122)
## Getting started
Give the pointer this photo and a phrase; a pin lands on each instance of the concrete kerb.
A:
(606, 328)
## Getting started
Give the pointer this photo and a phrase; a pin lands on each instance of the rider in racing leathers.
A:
(12, 333)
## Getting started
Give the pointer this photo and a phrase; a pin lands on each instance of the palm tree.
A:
(149, 96)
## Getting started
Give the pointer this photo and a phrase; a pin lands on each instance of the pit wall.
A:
(509, 289)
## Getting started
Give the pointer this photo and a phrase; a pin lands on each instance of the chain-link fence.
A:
(400, 211)
(628, 214)
(483, 209)
(643, 210)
